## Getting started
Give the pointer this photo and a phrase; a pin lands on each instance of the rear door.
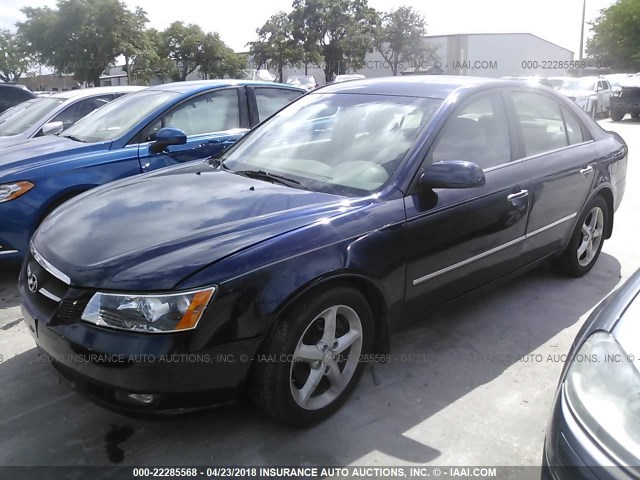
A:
(458, 239)
(212, 120)
(558, 155)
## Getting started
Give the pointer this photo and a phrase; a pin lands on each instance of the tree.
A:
(343, 30)
(217, 59)
(80, 37)
(275, 45)
(616, 36)
(14, 59)
(134, 40)
(402, 37)
(148, 63)
(183, 44)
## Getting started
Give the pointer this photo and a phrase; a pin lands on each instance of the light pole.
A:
(584, 8)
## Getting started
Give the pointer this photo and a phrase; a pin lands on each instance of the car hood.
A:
(576, 93)
(18, 158)
(152, 231)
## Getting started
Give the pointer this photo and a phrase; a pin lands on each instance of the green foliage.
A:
(81, 37)
(216, 59)
(14, 59)
(146, 63)
(276, 45)
(184, 45)
(402, 38)
(616, 39)
(342, 30)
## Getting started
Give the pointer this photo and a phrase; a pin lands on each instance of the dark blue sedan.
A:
(154, 128)
(282, 266)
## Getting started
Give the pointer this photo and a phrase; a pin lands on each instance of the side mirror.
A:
(453, 174)
(168, 136)
(52, 128)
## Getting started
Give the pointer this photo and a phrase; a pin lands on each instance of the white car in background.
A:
(592, 94)
(51, 114)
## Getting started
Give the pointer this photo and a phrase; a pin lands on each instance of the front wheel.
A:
(587, 239)
(635, 115)
(311, 362)
(617, 115)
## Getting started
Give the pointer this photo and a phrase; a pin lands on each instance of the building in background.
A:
(52, 82)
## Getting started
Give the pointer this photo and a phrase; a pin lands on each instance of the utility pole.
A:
(584, 8)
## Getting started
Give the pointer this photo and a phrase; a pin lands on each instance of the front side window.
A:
(348, 144)
(119, 116)
(573, 128)
(540, 121)
(270, 100)
(478, 132)
(212, 112)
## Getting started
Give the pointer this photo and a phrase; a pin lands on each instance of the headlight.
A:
(148, 313)
(603, 387)
(9, 191)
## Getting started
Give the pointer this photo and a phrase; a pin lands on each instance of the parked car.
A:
(626, 99)
(11, 95)
(283, 265)
(55, 113)
(348, 77)
(307, 82)
(142, 131)
(593, 429)
(592, 94)
(614, 80)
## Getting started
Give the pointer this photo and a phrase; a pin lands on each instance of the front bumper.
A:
(180, 370)
(626, 106)
(570, 453)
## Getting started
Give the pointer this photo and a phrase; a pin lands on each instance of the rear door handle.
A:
(518, 195)
(586, 171)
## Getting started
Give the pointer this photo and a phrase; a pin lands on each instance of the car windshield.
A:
(26, 115)
(347, 144)
(579, 84)
(118, 117)
(307, 80)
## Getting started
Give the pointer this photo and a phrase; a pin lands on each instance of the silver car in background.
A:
(52, 114)
(592, 94)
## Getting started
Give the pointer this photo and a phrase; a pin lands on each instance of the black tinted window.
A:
(540, 122)
(478, 132)
(270, 100)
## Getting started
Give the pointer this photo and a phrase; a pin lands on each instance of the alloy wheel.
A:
(326, 357)
(592, 232)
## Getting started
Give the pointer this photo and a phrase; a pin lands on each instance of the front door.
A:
(458, 239)
(211, 122)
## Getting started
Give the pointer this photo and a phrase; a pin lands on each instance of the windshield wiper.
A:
(75, 139)
(262, 175)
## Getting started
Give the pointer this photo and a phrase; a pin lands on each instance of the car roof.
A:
(196, 85)
(434, 86)
(90, 92)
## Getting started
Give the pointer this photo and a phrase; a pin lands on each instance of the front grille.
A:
(70, 310)
(45, 289)
(630, 93)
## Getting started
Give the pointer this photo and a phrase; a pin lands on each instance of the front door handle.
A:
(518, 195)
(586, 171)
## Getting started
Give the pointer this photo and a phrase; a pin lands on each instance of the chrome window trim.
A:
(48, 267)
(7, 252)
(469, 260)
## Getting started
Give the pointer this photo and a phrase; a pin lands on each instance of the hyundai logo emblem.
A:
(32, 281)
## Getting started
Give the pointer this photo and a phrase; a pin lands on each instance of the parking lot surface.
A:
(469, 385)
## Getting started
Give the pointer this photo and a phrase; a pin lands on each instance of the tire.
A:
(616, 115)
(635, 116)
(310, 389)
(585, 246)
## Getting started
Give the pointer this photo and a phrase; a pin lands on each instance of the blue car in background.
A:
(143, 131)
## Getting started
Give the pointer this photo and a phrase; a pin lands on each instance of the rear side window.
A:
(541, 123)
(270, 100)
(478, 132)
(573, 128)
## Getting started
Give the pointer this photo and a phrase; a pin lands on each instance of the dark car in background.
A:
(282, 266)
(11, 95)
(153, 128)
(52, 114)
(626, 99)
(594, 429)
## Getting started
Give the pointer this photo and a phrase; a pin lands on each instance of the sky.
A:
(236, 21)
